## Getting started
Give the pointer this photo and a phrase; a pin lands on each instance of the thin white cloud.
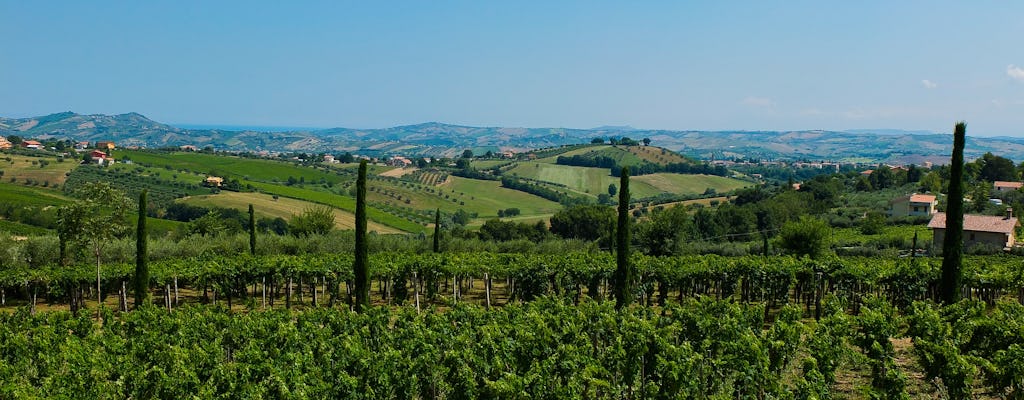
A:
(929, 84)
(1015, 72)
(758, 101)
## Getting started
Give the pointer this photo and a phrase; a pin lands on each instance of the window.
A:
(972, 236)
(915, 208)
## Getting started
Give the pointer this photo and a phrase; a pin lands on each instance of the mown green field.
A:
(487, 197)
(30, 195)
(585, 180)
(679, 183)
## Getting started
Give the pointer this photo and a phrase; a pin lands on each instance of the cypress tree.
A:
(437, 231)
(953, 242)
(624, 274)
(252, 231)
(361, 268)
(141, 256)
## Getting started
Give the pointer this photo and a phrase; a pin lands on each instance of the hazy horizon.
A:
(682, 66)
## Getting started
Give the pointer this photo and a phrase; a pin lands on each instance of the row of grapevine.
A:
(773, 280)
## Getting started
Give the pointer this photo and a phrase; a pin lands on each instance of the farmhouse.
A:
(105, 145)
(1003, 186)
(31, 144)
(914, 205)
(399, 161)
(213, 181)
(329, 159)
(979, 229)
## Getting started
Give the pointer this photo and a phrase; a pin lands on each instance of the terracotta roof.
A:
(1015, 185)
(916, 198)
(978, 223)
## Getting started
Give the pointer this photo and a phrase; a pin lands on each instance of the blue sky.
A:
(666, 65)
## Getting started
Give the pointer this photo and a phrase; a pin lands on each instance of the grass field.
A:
(678, 183)
(585, 180)
(21, 168)
(30, 195)
(487, 197)
(265, 205)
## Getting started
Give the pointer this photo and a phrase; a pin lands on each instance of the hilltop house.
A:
(979, 229)
(1003, 186)
(914, 205)
(105, 145)
(213, 181)
(31, 144)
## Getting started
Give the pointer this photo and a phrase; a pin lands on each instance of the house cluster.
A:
(994, 230)
(100, 157)
(999, 231)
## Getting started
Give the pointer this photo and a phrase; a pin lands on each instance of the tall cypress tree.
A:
(953, 243)
(361, 268)
(141, 284)
(252, 231)
(624, 274)
(437, 231)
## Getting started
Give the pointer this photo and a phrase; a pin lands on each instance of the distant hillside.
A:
(437, 139)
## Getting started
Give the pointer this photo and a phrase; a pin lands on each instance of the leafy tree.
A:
(647, 141)
(597, 140)
(980, 192)
(141, 281)
(873, 224)
(588, 222)
(882, 178)
(996, 168)
(95, 219)
(953, 242)
(624, 273)
(467, 153)
(361, 267)
(805, 237)
(210, 224)
(612, 190)
(316, 220)
(665, 232)
(863, 184)
(931, 182)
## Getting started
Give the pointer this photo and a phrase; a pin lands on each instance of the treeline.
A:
(644, 168)
(677, 168)
(541, 191)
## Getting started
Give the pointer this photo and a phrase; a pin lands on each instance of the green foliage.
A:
(873, 223)
(210, 224)
(318, 220)
(587, 222)
(806, 237)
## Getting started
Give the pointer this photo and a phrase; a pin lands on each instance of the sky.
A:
(683, 65)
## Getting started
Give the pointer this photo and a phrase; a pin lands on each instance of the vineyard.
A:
(516, 325)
